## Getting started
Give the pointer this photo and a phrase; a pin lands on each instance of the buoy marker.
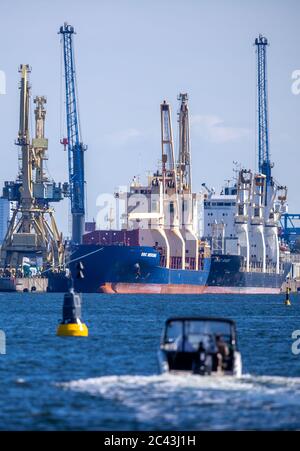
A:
(71, 325)
(287, 295)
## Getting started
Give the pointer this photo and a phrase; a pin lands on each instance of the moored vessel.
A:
(158, 249)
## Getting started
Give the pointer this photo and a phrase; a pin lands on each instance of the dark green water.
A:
(110, 380)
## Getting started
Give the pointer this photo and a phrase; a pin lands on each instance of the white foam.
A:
(170, 399)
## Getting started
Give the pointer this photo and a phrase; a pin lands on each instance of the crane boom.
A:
(184, 157)
(24, 138)
(264, 164)
(75, 147)
(168, 158)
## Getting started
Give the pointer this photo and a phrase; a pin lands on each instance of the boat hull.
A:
(155, 288)
(228, 277)
(132, 269)
(241, 290)
(135, 270)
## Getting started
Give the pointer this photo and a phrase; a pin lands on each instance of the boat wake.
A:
(199, 403)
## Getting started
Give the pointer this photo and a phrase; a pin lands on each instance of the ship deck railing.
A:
(190, 263)
(257, 268)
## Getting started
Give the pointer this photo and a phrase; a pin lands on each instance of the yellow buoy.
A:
(71, 325)
(287, 296)
(72, 330)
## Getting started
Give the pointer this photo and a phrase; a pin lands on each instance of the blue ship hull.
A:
(227, 276)
(130, 269)
(136, 269)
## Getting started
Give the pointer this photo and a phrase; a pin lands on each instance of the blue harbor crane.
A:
(264, 164)
(73, 142)
(290, 229)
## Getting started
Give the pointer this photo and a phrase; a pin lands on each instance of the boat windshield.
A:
(186, 335)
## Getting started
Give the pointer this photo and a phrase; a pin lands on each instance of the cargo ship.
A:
(242, 226)
(232, 257)
(134, 269)
(157, 249)
(228, 276)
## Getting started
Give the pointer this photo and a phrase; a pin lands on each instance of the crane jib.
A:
(75, 146)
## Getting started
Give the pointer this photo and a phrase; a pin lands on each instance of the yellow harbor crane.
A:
(32, 232)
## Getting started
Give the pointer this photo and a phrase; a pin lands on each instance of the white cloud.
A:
(213, 129)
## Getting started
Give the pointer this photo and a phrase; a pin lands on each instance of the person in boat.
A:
(203, 362)
(222, 352)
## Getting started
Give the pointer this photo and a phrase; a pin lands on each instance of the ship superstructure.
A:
(244, 238)
(236, 222)
(165, 210)
(218, 218)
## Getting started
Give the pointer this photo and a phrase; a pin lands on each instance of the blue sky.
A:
(133, 54)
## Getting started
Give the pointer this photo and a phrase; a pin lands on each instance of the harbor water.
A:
(110, 380)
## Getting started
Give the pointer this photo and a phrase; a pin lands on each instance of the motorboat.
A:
(200, 345)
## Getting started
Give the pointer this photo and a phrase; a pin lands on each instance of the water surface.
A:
(110, 380)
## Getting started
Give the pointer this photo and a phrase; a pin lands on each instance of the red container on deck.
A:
(112, 237)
